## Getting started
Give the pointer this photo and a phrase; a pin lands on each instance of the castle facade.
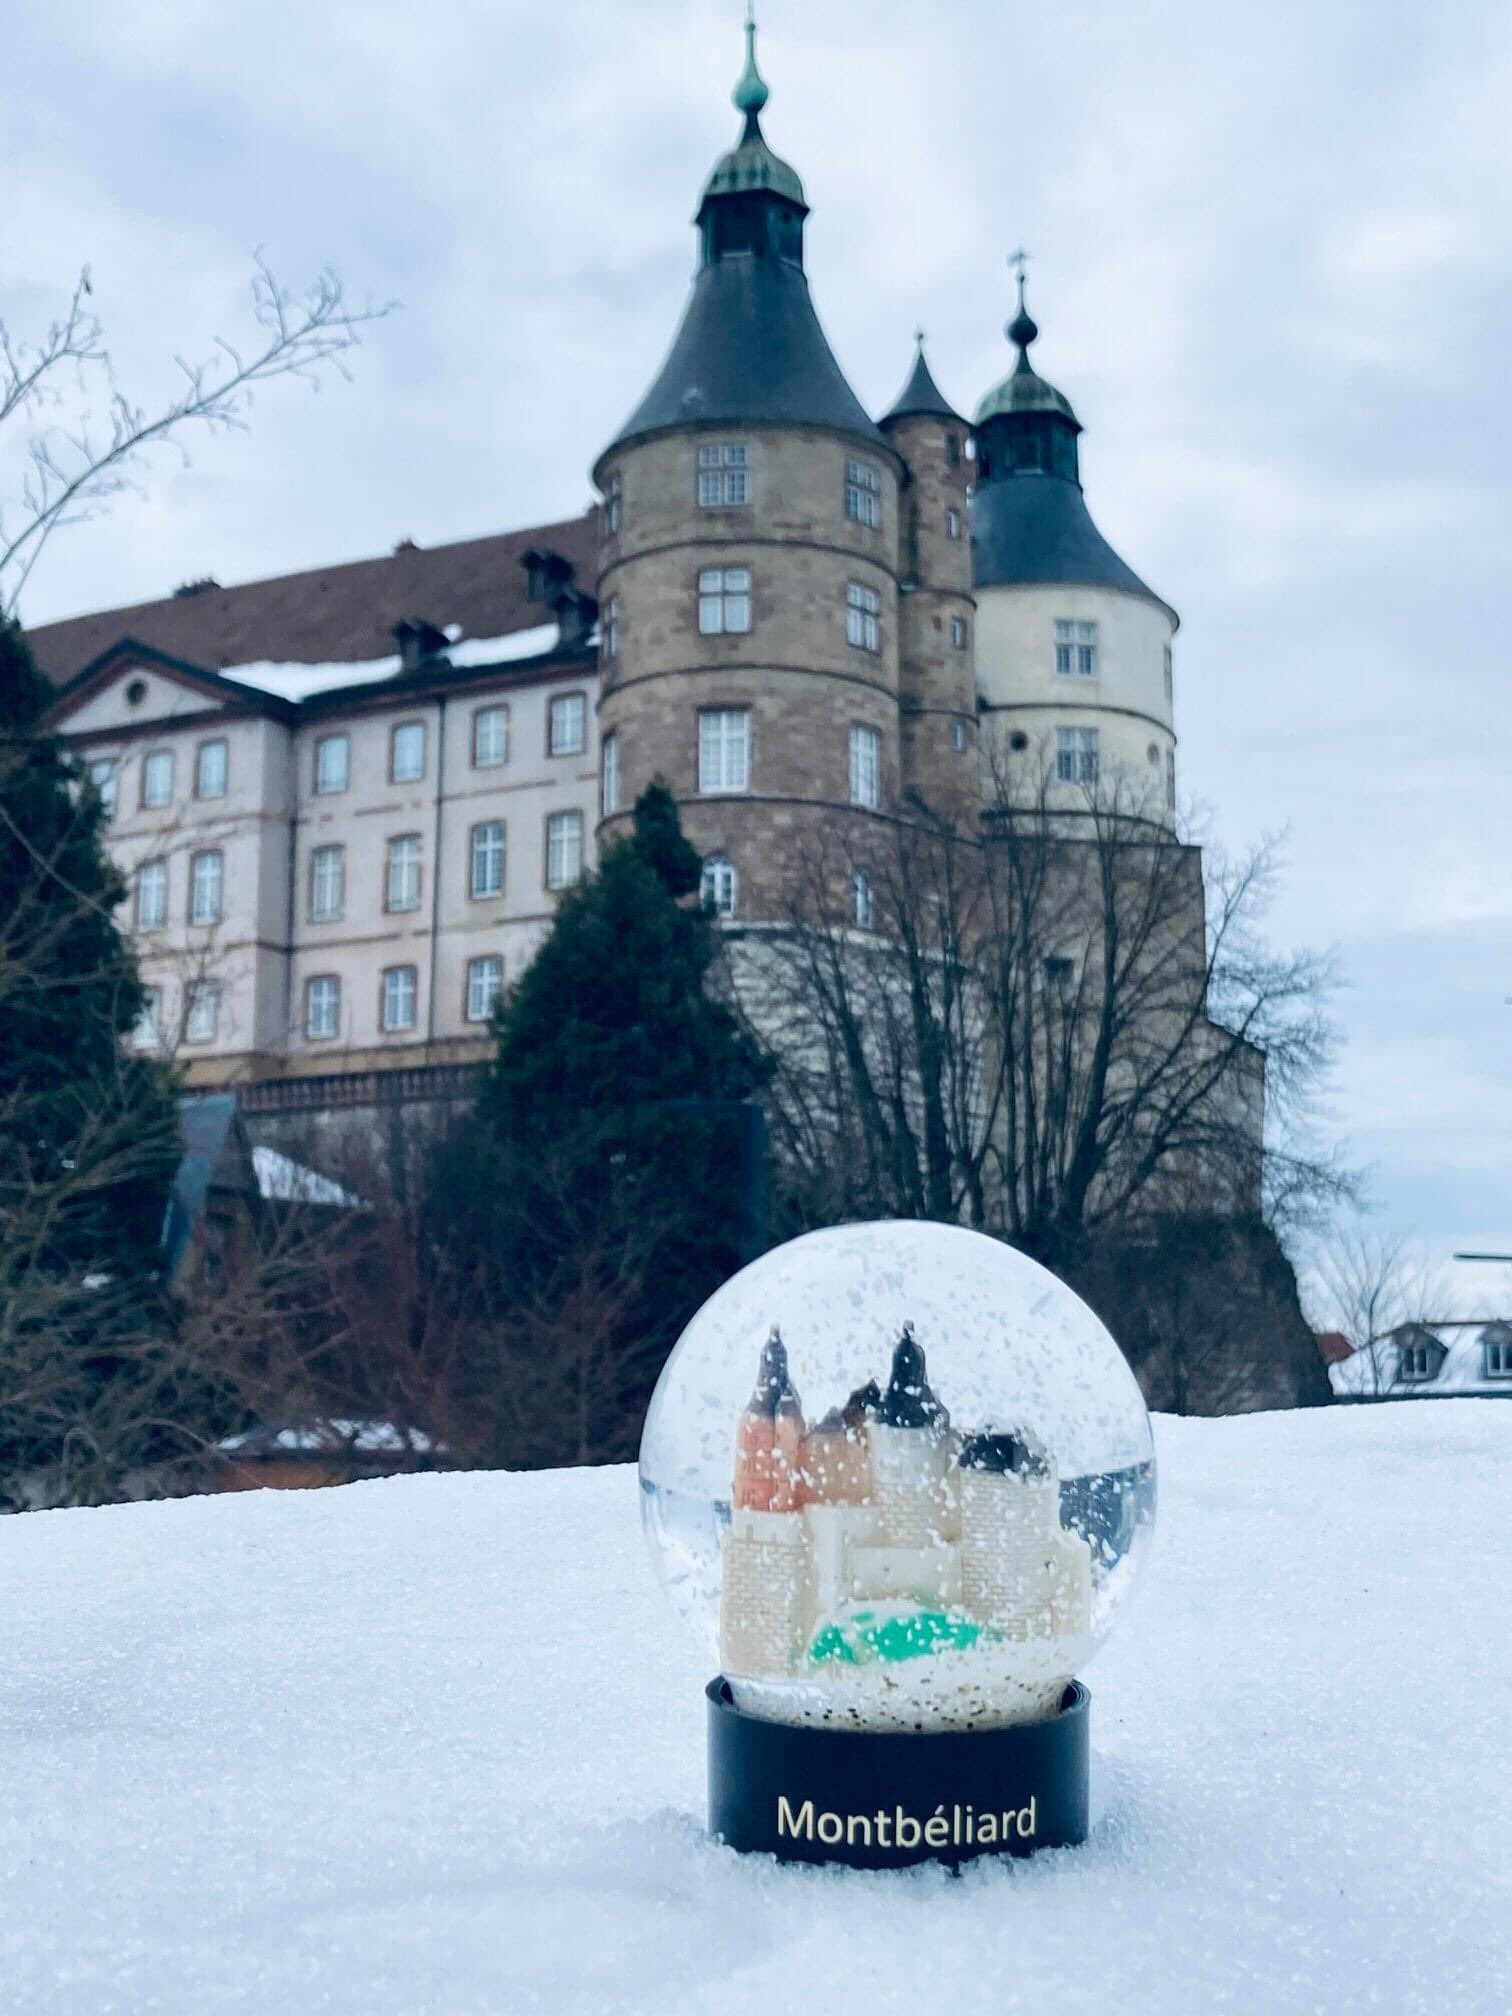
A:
(347, 802)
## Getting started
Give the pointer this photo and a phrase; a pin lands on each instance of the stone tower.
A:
(749, 576)
(936, 644)
(1073, 654)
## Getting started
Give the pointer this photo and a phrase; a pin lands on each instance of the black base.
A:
(884, 1799)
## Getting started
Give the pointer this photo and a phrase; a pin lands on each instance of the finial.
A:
(750, 93)
(919, 334)
(1023, 329)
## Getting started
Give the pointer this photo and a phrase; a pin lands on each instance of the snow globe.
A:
(900, 1480)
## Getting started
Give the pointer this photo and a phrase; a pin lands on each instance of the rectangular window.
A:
(400, 990)
(863, 907)
(610, 792)
(723, 474)
(953, 450)
(614, 504)
(146, 1033)
(487, 877)
(327, 884)
(322, 1007)
(103, 775)
(1171, 778)
(152, 895)
(952, 524)
(863, 617)
(564, 849)
(485, 983)
(1168, 673)
(609, 628)
(724, 749)
(724, 601)
(1415, 1362)
(865, 767)
(206, 884)
(211, 768)
(490, 737)
(1498, 1358)
(958, 632)
(333, 763)
(201, 1012)
(863, 493)
(402, 877)
(568, 725)
(1076, 755)
(407, 753)
(157, 779)
(1076, 649)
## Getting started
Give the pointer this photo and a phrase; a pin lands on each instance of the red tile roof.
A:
(331, 614)
(1334, 1347)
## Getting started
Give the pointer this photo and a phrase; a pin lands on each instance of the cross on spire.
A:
(1018, 261)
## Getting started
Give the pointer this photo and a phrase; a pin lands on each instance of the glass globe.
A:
(897, 1476)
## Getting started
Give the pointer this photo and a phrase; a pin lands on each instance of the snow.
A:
(290, 1182)
(1372, 1371)
(436, 1745)
(295, 681)
(365, 1438)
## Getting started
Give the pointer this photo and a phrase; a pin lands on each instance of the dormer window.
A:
(1497, 1346)
(1415, 1360)
(863, 493)
(724, 476)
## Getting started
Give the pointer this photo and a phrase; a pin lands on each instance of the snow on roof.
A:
(262, 1747)
(294, 681)
(289, 1182)
(1375, 1369)
(363, 1438)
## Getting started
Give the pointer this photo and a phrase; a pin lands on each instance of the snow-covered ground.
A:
(436, 1745)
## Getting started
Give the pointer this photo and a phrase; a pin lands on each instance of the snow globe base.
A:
(868, 1799)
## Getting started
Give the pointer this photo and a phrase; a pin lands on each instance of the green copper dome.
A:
(751, 164)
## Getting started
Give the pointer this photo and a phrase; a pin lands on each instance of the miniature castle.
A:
(882, 1532)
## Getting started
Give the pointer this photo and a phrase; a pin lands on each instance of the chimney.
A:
(419, 642)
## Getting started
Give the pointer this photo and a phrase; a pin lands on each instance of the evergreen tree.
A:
(583, 1182)
(88, 1129)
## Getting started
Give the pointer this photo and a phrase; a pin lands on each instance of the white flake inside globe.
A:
(897, 1476)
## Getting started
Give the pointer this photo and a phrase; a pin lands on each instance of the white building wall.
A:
(266, 946)
(1128, 701)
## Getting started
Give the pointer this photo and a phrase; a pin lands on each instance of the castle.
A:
(347, 801)
(880, 1535)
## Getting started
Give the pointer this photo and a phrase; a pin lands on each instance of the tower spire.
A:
(1023, 329)
(751, 93)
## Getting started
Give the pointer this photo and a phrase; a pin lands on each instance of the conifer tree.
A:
(585, 1179)
(88, 1128)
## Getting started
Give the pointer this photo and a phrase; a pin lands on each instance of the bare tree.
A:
(1053, 1030)
(1370, 1285)
(77, 439)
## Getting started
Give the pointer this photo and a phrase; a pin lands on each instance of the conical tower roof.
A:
(749, 350)
(921, 395)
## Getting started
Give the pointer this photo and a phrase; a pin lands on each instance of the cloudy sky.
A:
(1270, 265)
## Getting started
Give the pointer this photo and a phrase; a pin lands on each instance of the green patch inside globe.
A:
(917, 1635)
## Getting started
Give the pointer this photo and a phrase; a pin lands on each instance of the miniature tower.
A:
(912, 1456)
(1022, 1573)
(766, 1584)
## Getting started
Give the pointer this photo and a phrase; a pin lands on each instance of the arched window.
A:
(720, 885)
